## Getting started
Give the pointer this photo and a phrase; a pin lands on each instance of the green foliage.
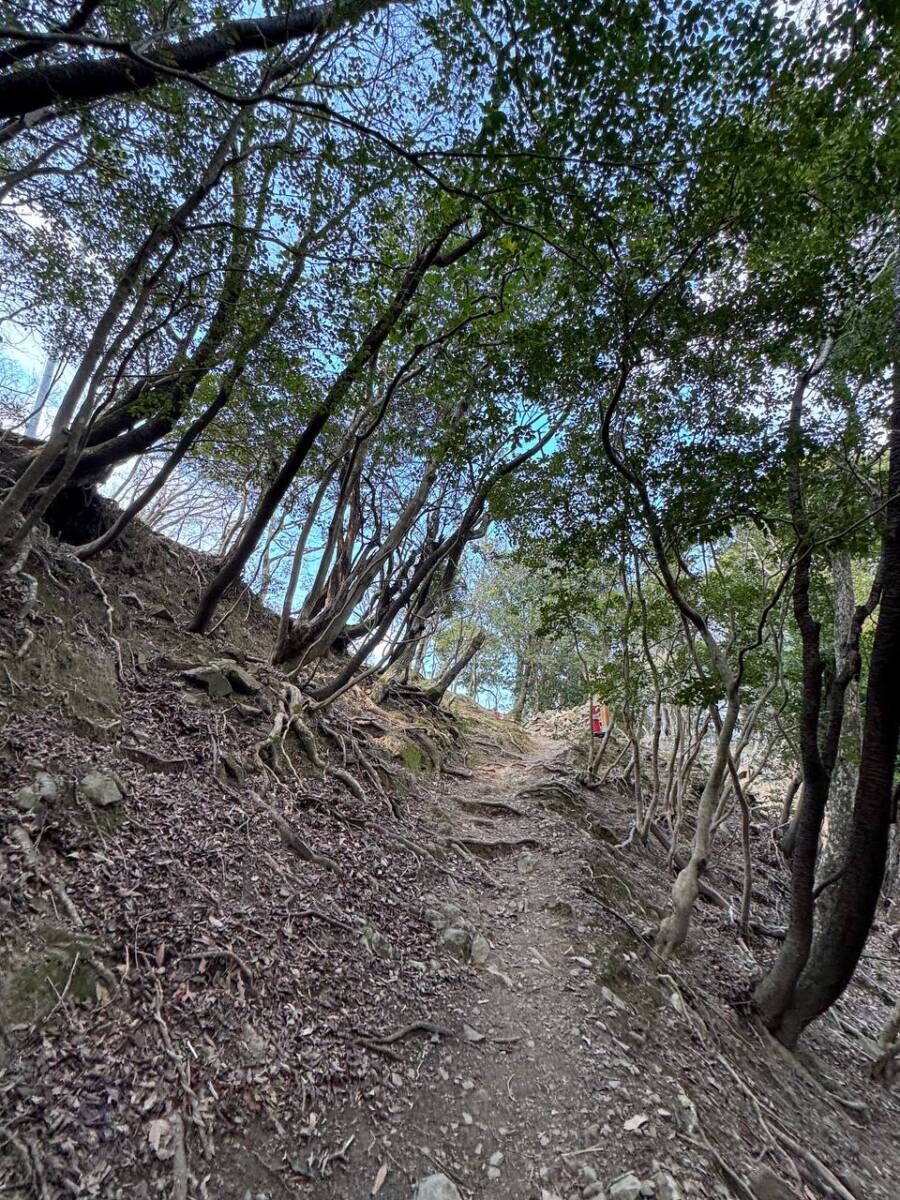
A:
(686, 200)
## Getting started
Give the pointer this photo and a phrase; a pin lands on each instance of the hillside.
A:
(229, 972)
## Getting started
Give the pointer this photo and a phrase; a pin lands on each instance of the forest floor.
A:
(225, 977)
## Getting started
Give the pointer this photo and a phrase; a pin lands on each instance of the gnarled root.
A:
(295, 843)
(32, 857)
(17, 571)
(289, 719)
(31, 1160)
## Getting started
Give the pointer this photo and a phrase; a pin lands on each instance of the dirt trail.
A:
(581, 1066)
(535, 1093)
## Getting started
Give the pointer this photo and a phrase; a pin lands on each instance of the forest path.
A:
(534, 1090)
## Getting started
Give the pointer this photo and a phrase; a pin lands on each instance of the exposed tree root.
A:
(30, 1157)
(382, 1043)
(731, 1177)
(367, 755)
(495, 846)
(491, 806)
(884, 1069)
(552, 787)
(376, 1047)
(212, 952)
(184, 1077)
(789, 1057)
(104, 599)
(21, 838)
(816, 1172)
(470, 858)
(61, 554)
(180, 1177)
(16, 571)
(401, 694)
(388, 1039)
(322, 916)
(309, 745)
(160, 763)
(288, 719)
(293, 841)
(415, 848)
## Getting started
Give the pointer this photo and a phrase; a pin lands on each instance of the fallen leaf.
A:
(157, 1131)
(636, 1122)
(380, 1177)
(471, 1034)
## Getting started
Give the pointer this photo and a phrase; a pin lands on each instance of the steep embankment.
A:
(197, 918)
(230, 972)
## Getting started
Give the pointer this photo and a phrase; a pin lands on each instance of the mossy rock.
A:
(413, 758)
(34, 979)
(408, 751)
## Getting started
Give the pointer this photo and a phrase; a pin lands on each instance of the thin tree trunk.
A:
(140, 502)
(231, 568)
(774, 992)
(62, 442)
(523, 682)
(674, 928)
(435, 691)
(47, 378)
(284, 623)
(844, 774)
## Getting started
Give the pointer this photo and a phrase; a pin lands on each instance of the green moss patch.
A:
(35, 979)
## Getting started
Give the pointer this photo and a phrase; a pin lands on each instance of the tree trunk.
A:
(435, 691)
(282, 641)
(233, 565)
(24, 92)
(523, 682)
(352, 588)
(449, 548)
(63, 447)
(773, 994)
(674, 928)
(845, 928)
(185, 442)
(844, 776)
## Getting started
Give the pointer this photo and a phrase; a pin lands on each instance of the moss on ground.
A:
(36, 978)
(412, 756)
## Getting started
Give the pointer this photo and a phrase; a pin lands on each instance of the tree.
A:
(128, 67)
